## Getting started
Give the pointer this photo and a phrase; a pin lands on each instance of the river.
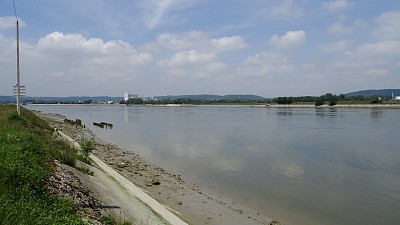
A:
(301, 166)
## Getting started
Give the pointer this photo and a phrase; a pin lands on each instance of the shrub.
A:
(319, 102)
(332, 102)
(87, 146)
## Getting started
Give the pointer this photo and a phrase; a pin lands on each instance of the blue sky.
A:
(166, 47)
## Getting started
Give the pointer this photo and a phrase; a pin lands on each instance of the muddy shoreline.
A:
(196, 205)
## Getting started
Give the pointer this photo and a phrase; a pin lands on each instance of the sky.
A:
(269, 48)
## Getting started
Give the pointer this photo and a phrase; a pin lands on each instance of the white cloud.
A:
(155, 11)
(265, 64)
(388, 26)
(335, 46)
(383, 48)
(186, 41)
(64, 63)
(76, 45)
(372, 60)
(216, 67)
(189, 57)
(335, 5)
(289, 40)
(194, 71)
(285, 10)
(197, 40)
(7, 22)
(229, 43)
(160, 8)
(338, 29)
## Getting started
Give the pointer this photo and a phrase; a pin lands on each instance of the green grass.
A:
(111, 220)
(27, 147)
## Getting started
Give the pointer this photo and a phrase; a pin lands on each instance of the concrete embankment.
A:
(120, 193)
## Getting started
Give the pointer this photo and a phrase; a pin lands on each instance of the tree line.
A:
(328, 98)
(190, 101)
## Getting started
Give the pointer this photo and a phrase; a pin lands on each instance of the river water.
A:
(301, 166)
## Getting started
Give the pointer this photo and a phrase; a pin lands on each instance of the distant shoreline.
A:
(371, 106)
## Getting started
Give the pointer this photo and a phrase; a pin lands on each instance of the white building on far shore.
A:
(129, 96)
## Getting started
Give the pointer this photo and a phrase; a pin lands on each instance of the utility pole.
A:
(18, 81)
(18, 87)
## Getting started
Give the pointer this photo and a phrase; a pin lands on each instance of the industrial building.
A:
(129, 96)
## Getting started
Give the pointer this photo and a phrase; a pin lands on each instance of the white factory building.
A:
(395, 97)
(129, 96)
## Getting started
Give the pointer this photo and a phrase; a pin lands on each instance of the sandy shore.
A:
(194, 205)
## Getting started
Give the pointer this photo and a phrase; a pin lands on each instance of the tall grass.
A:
(27, 146)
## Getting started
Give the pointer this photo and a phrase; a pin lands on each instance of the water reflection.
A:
(291, 170)
(286, 112)
(323, 112)
(126, 115)
(376, 113)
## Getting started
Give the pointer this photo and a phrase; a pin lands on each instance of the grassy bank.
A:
(27, 147)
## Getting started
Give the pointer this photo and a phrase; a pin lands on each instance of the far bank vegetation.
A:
(326, 99)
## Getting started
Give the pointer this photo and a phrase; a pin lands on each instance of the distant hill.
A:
(11, 99)
(75, 99)
(372, 92)
(7, 99)
(211, 97)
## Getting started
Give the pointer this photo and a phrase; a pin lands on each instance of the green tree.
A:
(332, 102)
(290, 100)
(134, 101)
(282, 100)
(375, 99)
(320, 101)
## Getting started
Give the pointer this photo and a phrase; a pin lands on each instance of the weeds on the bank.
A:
(27, 149)
(85, 170)
(87, 146)
(111, 220)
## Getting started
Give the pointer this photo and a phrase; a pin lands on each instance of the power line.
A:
(15, 11)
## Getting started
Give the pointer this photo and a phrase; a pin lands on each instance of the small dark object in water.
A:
(76, 122)
(98, 124)
(108, 125)
(103, 124)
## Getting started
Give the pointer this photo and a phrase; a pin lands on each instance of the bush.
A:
(87, 146)
(319, 102)
(14, 116)
(332, 102)
(375, 100)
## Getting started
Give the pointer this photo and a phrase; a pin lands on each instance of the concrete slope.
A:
(122, 193)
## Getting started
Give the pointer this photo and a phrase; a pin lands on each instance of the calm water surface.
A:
(301, 166)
